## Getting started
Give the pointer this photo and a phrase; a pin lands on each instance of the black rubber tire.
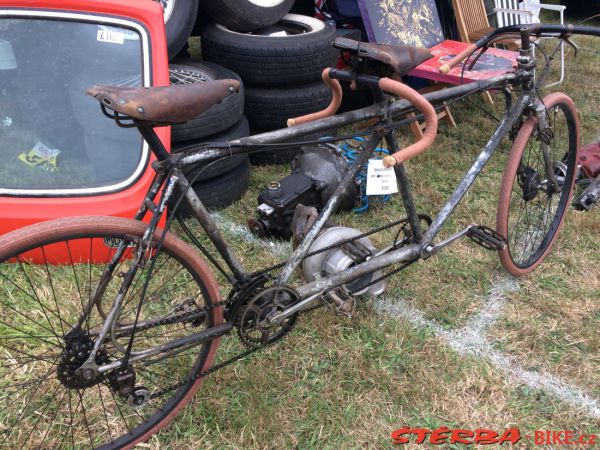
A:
(217, 118)
(197, 173)
(273, 60)
(220, 192)
(179, 24)
(61, 249)
(245, 15)
(270, 108)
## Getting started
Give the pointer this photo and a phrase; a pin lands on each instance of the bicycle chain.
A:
(250, 351)
(176, 319)
(219, 366)
(334, 246)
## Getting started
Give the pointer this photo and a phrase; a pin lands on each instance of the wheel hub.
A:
(76, 352)
(530, 181)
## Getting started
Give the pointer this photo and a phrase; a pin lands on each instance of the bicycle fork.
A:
(546, 135)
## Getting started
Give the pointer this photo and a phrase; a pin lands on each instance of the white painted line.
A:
(471, 340)
(279, 248)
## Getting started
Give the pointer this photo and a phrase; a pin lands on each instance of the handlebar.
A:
(426, 108)
(331, 76)
(536, 30)
(336, 101)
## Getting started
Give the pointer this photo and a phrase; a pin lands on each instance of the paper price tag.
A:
(380, 180)
(112, 37)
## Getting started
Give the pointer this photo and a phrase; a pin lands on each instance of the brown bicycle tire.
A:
(518, 148)
(33, 236)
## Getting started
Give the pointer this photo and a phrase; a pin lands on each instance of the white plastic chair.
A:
(522, 12)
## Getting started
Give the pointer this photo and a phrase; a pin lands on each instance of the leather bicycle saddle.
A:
(164, 105)
(401, 58)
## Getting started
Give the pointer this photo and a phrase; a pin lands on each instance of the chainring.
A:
(251, 318)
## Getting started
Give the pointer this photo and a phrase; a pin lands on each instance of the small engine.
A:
(341, 258)
(316, 173)
(338, 258)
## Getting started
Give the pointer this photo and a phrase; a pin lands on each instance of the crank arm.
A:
(282, 315)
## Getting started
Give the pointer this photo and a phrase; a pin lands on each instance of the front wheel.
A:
(49, 273)
(531, 210)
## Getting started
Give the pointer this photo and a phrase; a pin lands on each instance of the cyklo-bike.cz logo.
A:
(445, 435)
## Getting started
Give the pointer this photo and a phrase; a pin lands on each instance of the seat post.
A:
(155, 144)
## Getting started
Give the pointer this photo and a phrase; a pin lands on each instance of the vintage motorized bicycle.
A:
(109, 326)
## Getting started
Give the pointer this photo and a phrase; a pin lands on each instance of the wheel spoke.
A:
(534, 209)
(48, 289)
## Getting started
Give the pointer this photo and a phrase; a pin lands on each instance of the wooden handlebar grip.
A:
(426, 108)
(447, 67)
(336, 101)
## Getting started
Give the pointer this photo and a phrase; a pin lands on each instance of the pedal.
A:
(342, 304)
(487, 238)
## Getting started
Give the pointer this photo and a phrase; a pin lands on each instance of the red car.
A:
(59, 156)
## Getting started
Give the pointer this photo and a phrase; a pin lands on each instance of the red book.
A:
(492, 63)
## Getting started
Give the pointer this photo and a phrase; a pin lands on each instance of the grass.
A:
(348, 383)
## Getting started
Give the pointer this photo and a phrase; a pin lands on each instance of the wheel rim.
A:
(535, 210)
(184, 76)
(40, 303)
(289, 26)
(168, 6)
(266, 3)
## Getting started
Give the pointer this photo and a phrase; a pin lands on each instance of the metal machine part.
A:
(138, 398)
(252, 318)
(325, 165)
(316, 172)
(590, 196)
(278, 202)
(589, 159)
(339, 259)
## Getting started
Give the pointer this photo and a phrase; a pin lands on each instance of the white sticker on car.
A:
(112, 37)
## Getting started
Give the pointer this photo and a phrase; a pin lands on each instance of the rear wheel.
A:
(530, 211)
(48, 274)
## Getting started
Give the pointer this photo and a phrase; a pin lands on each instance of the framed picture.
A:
(408, 22)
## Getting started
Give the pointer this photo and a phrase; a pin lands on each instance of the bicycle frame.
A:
(422, 243)
(422, 248)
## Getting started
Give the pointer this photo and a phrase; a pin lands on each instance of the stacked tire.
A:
(222, 182)
(180, 17)
(281, 66)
